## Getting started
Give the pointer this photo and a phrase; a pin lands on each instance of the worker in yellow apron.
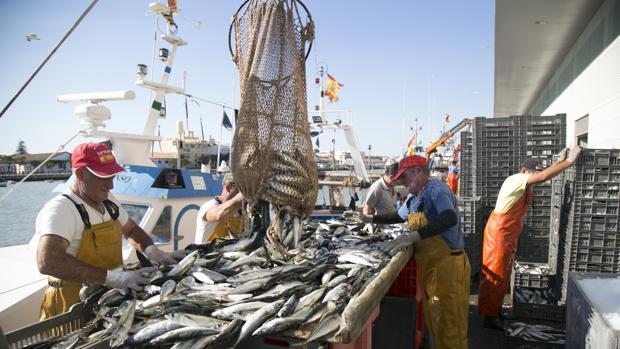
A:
(79, 233)
(432, 216)
(221, 216)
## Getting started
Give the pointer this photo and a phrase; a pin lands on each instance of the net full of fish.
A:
(229, 290)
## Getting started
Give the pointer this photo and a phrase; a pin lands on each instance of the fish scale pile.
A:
(222, 293)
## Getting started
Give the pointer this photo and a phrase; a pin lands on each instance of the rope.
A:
(205, 100)
(60, 148)
(49, 56)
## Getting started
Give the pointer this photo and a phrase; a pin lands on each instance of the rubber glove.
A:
(357, 217)
(133, 279)
(158, 256)
(416, 220)
(405, 241)
(574, 154)
(563, 154)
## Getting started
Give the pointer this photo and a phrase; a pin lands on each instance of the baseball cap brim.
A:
(107, 171)
(399, 173)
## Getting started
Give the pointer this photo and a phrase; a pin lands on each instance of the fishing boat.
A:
(163, 201)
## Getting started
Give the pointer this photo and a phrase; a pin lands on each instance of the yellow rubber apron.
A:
(444, 278)
(225, 227)
(101, 246)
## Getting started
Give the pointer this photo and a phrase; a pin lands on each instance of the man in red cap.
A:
(80, 233)
(432, 216)
(502, 231)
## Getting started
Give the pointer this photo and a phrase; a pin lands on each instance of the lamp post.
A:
(369, 157)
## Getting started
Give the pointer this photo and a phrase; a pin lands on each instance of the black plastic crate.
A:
(549, 312)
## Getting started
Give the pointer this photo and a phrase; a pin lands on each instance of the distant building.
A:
(193, 151)
(24, 164)
(6, 165)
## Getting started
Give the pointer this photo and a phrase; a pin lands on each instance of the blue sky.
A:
(398, 61)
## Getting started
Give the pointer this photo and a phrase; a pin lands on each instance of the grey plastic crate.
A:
(71, 321)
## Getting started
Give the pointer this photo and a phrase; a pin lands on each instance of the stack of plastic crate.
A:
(472, 224)
(589, 216)
(499, 147)
(539, 138)
(466, 165)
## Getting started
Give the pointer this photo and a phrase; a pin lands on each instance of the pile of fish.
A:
(222, 293)
(535, 296)
(535, 332)
(532, 269)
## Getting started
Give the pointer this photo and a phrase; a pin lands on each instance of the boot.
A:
(493, 322)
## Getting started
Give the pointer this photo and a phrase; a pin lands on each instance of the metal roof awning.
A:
(531, 39)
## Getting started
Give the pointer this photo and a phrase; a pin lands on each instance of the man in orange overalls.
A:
(80, 233)
(453, 176)
(503, 229)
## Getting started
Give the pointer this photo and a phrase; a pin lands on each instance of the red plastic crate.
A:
(405, 283)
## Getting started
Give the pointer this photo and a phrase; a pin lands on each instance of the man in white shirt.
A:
(79, 233)
(221, 216)
(381, 198)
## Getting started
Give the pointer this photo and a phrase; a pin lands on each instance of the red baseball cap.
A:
(97, 158)
(410, 162)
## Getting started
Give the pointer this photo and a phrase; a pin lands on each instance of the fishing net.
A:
(272, 157)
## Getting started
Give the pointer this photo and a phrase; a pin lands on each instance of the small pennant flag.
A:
(226, 121)
(447, 120)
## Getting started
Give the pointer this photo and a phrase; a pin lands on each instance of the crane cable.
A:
(48, 57)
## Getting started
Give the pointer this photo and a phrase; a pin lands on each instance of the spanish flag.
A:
(332, 89)
(411, 146)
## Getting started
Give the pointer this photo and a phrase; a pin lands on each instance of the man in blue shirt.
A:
(432, 216)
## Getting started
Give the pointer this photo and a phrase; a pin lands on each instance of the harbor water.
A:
(18, 211)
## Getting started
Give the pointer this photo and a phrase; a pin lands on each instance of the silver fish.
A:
(258, 318)
(119, 334)
(335, 281)
(193, 320)
(247, 260)
(183, 333)
(326, 327)
(167, 288)
(278, 325)
(226, 313)
(225, 335)
(310, 298)
(289, 306)
(152, 331)
(184, 264)
(281, 290)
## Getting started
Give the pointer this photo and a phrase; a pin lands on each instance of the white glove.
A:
(574, 154)
(563, 154)
(127, 279)
(158, 256)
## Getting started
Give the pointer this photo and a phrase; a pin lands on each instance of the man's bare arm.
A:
(225, 209)
(137, 237)
(367, 210)
(53, 260)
